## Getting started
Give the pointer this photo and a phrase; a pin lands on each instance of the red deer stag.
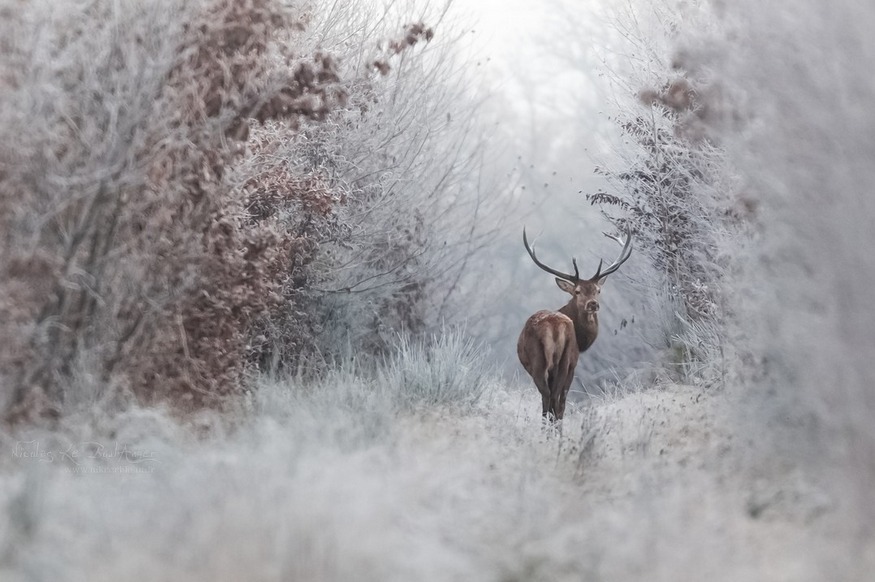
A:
(552, 341)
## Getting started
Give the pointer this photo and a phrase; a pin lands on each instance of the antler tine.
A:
(573, 278)
(614, 237)
(624, 254)
(598, 271)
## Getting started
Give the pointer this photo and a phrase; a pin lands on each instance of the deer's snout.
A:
(591, 305)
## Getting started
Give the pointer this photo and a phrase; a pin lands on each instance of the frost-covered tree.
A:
(404, 158)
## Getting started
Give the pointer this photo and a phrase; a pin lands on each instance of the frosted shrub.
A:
(449, 369)
(676, 189)
(153, 235)
(127, 257)
(343, 408)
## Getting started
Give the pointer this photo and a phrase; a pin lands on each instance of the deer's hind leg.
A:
(543, 385)
(562, 392)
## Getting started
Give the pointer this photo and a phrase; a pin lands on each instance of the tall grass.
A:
(354, 477)
(304, 482)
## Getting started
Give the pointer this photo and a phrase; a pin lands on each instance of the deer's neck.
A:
(586, 325)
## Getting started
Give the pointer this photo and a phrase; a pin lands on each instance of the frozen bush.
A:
(165, 223)
(450, 369)
(674, 186)
(127, 257)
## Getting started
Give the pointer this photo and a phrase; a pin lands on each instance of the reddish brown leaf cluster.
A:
(413, 33)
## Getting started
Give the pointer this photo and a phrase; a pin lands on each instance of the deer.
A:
(551, 341)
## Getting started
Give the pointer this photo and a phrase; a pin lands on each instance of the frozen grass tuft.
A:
(344, 409)
(448, 369)
(355, 405)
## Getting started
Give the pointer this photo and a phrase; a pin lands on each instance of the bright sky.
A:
(542, 57)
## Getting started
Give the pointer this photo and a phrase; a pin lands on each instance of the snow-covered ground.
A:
(337, 482)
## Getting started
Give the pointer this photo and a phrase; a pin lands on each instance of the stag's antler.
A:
(573, 278)
(624, 255)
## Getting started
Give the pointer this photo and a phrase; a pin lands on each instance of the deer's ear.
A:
(566, 286)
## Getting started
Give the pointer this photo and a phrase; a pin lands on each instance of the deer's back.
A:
(547, 337)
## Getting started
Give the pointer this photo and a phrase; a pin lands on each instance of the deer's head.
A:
(584, 292)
